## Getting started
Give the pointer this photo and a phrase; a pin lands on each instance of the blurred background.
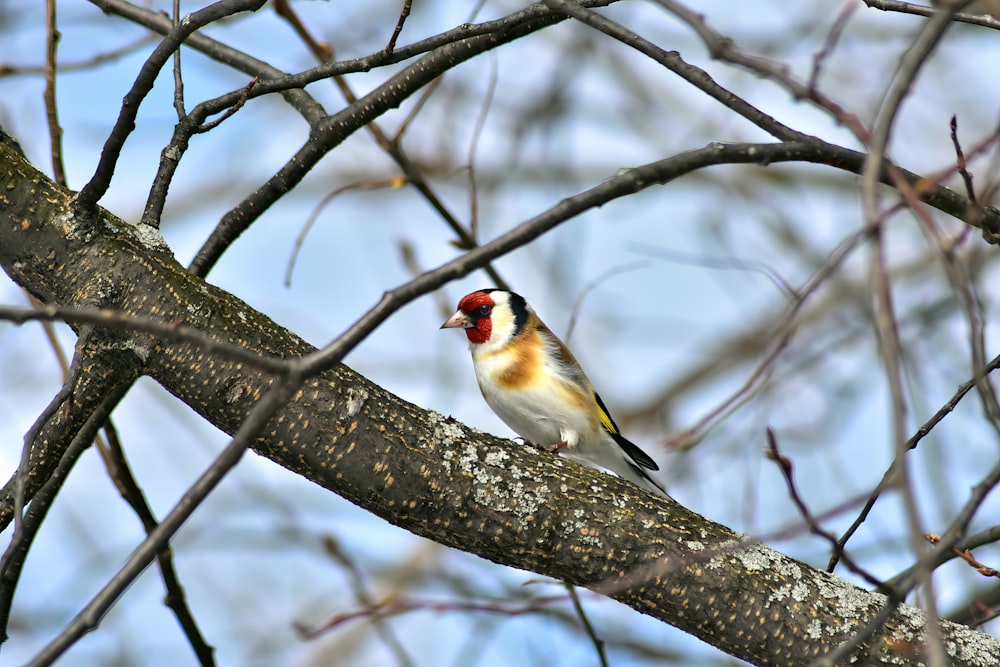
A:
(672, 299)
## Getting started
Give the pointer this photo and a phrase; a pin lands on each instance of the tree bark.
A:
(424, 472)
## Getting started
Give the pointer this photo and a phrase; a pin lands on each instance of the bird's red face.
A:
(473, 315)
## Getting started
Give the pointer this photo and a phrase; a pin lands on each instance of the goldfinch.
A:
(532, 382)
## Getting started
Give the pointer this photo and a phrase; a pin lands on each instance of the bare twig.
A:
(725, 263)
(178, 78)
(228, 113)
(16, 553)
(888, 476)
(574, 314)
(51, 109)
(988, 615)
(673, 62)
(396, 606)
(58, 402)
(170, 157)
(960, 165)
(723, 48)
(588, 628)
(909, 67)
(905, 581)
(165, 330)
(784, 331)
(156, 541)
(367, 600)
(79, 65)
(923, 10)
(832, 38)
(121, 474)
(403, 14)
(300, 238)
(785, 465)
(160, 23)
(477, 132)
(967, 556)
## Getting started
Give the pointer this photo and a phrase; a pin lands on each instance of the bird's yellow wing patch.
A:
(606, 421)
(640, 457)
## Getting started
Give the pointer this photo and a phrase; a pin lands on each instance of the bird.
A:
(531, 380)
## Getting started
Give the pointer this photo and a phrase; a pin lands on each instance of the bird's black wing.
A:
(632, 449)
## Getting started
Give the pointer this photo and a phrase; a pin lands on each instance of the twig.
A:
(78, 65)
(300, 238)
(175, 331)
(396, 606)
(477, 131)
(228, 113)
(574, 313)
(121, 474)
(910, 65)
(16, 553)
(723, 48)
(923, 10)
(912, 443)
(598, 643)
(61, 401)
(905, 581)
(785, 466)
(364, 597)
(88, 619)
(178, 78)
(962, 283)
(725, 263)
(399, 26)
(160, 23)
(170, 157)
(673, 62)
(966, 555)
(417, 107)
(832, 37)
(784, 331)
(960, 162)
(51, 109)
(989, 615)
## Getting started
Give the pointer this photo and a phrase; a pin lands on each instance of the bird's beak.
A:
(459, 321)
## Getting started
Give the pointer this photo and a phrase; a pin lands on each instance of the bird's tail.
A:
(641, 478)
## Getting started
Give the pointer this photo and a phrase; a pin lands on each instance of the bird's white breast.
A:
(542, 407)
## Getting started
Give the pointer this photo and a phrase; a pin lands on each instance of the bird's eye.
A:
(483, 310)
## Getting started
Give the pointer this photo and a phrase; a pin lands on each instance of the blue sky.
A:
(660, 306)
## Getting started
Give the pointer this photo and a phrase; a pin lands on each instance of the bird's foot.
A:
(559, 445)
